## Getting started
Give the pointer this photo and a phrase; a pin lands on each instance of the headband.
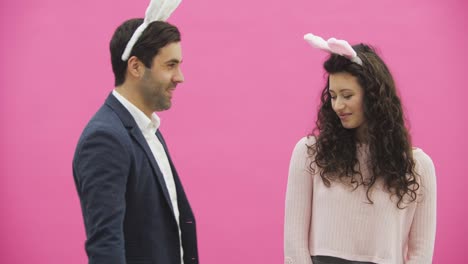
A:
(158, 10)
(333, 45)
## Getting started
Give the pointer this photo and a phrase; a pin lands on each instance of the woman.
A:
(357, 191)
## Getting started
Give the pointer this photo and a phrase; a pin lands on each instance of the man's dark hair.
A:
(157, 35)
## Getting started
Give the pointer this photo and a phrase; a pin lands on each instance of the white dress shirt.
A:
(149, 127)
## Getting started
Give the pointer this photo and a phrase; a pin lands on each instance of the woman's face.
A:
(347, 99)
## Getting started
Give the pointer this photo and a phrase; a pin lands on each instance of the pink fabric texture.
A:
(340, 222)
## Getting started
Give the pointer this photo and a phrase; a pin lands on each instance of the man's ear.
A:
(135, 67)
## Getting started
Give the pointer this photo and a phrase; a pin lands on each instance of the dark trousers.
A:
(333, 260)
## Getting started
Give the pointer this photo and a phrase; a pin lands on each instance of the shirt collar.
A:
(144, 123)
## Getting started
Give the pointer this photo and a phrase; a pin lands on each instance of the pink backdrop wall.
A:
(251, 92)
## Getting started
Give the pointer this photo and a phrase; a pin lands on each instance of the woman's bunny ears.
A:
(333, 45)
(158, 10)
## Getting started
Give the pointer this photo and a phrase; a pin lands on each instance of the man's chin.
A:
(163, 107)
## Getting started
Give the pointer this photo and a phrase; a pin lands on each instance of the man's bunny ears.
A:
(333, 45)
(158, 10)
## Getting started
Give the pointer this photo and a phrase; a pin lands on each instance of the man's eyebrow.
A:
(173, 61)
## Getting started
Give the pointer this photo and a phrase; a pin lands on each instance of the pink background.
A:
(251, 92)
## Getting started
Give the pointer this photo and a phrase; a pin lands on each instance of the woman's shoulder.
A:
(302, 146)
(424, 165)
(304, 143)
(421, 157)
(301, 154)
(307, 140)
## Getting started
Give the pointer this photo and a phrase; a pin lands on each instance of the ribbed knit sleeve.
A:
(298, 206)
(422, 232)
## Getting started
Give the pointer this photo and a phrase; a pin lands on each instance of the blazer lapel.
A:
(184, 206)
(136, 133)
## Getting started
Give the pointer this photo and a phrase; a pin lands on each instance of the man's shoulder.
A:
(104, 118)
(104, 122)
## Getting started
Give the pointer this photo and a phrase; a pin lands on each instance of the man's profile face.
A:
(159, 82)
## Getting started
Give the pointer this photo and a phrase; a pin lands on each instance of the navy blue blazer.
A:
(126, 207)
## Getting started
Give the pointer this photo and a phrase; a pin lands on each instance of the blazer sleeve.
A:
(101, 168)
(298, 210)
(423, 227)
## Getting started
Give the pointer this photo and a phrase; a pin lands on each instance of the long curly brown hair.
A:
(390, 151)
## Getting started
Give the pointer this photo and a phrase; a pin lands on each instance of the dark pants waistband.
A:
(333, 260)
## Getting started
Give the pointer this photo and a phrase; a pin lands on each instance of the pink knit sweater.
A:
(340, 222)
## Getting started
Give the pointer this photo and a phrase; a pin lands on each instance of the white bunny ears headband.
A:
(333, 45)
(158, 10)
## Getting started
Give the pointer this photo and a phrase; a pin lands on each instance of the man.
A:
(134, 207)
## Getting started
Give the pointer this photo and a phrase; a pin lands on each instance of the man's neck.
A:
(129, 93)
